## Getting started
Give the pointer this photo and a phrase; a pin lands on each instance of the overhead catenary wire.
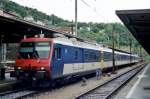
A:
(86, 4)
(92, 8)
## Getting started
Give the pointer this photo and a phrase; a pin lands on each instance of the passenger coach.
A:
(61, 57)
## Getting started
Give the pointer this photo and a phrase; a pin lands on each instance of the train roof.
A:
(76, 43)
(82, 44)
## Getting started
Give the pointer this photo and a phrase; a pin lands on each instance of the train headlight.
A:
(19, 68)
(42, 68)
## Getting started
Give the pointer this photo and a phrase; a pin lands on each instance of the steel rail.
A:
(107, 89)
(16, 94)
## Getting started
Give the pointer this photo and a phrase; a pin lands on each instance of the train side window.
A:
(58, 53)
(86, 56)
(95, 57)
(76, 55)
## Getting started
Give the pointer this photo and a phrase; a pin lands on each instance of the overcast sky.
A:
(92, 11)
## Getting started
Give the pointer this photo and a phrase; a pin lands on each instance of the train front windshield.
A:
(34, 50)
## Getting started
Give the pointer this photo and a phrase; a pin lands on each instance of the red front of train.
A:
(34, 59)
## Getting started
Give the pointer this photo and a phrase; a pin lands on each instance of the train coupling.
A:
(40, 75)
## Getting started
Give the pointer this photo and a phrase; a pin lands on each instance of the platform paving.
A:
(141, 88)
(7, 83)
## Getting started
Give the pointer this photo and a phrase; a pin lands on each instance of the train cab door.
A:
(57, 64)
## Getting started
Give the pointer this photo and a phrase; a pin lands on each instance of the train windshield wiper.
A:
(35, 54)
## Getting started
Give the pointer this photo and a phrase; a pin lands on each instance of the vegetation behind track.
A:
(99, 32)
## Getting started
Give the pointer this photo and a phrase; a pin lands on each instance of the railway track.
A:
(101, 92)
(108, 89)
(17, 94)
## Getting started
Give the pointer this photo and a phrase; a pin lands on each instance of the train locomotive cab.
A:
(34, 59)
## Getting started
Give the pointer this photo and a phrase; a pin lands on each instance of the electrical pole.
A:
(113, 52)
(130, 44)
(118, 41)
(72, 25)
(52, 19)
(140, 51)
(3, 48)
(76, 24)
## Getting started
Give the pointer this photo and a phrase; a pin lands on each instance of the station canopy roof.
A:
(12, 30)
(138, 23)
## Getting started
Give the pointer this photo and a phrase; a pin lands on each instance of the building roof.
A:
(138, 23)
(13, 29)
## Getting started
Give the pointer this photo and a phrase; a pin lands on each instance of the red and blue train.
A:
(57, 58)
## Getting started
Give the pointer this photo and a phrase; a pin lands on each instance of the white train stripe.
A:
(82, 67)
(79, 44)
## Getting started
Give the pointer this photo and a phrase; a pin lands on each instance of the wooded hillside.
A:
(99, 32)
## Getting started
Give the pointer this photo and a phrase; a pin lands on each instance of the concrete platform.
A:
(7, 83)
(7, 79)
(141, 88)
